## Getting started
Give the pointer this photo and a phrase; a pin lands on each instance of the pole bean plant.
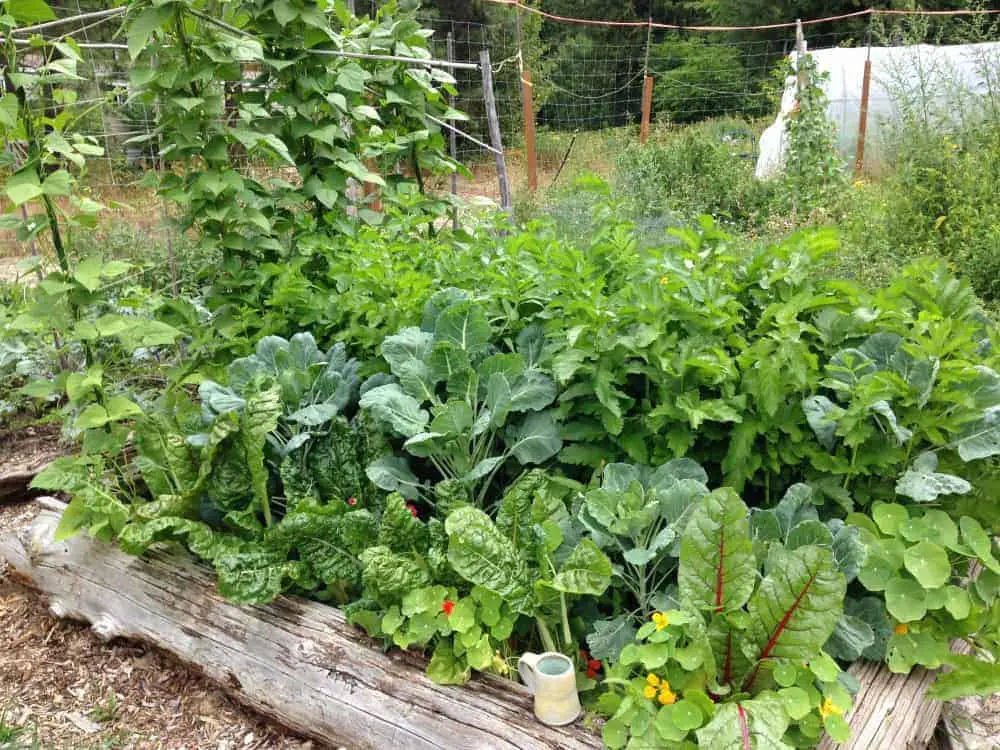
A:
(712, 474)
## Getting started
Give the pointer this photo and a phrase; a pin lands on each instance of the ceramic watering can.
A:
(552, 680)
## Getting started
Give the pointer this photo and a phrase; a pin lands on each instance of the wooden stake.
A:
(494, 122)
(859, 159)
(527, 104)
(647, 108)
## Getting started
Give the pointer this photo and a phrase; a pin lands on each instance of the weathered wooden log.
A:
(16, 476)
(891, 711)
(295, 661)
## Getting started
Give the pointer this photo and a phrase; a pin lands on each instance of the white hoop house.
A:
(915, 86)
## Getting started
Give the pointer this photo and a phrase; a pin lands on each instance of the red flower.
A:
(352, 501)
(593, 667)
(412, 508)
(448, 607)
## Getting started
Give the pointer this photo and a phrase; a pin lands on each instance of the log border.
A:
(295, 661)
(299, 662)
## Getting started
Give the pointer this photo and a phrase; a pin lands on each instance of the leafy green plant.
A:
(919, 560)
(532, 556)
(743, 655)
(459, 403)
(637, 516)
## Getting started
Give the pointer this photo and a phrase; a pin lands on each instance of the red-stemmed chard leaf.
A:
(717, 568)
(795, 608)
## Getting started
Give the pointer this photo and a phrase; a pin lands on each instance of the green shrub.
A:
(703, 169)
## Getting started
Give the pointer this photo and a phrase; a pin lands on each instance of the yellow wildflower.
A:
(661, 620)
(667, 696)
(829, 707)
(649, 691)
(664, 280)
(901, 629)
(652, 680)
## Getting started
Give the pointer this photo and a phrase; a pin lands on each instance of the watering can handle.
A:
(526, 669)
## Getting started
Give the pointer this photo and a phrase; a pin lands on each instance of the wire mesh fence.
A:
(585, 78)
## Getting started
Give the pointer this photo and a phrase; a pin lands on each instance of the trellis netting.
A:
(919, 85)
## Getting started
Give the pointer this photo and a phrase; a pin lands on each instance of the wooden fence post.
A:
(527, 103)
(647, 108)
(866, 83)
(506, 201)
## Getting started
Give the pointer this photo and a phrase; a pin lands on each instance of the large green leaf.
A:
(587, 570)
(534, 440)
(758, 724)
(482, 555)
(795, 608)
(463, 324)
(717, 566)
(922, 483)
(29, 11)
(406, 347)
(260, 417)
(396, 409)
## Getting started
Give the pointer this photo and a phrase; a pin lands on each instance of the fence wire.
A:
(585, 78)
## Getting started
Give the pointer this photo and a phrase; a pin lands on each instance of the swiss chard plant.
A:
(743, 654)
(533, 555)
(462, 404)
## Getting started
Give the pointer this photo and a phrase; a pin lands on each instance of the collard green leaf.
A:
(609, 637)
(534, 440)
(849, 639)
(717, 567)
(396, 409)
(463, 324)
(922, 483)
(586, 571)
(392, 473)
(822, 415)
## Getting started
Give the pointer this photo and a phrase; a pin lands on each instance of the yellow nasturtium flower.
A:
(667, 696)
(661, 620)
(649, 691)
(828, 707)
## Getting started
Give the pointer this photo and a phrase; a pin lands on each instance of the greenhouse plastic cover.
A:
(940, 80)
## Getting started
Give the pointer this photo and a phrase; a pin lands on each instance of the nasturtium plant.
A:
(920, 560)
(460, 402)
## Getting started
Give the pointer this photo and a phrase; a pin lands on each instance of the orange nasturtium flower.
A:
(901, 628)
(448, 607)
(660, 619)
(667, 696)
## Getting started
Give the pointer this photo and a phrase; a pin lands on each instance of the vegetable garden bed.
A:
(295, 661)
(299, 662)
